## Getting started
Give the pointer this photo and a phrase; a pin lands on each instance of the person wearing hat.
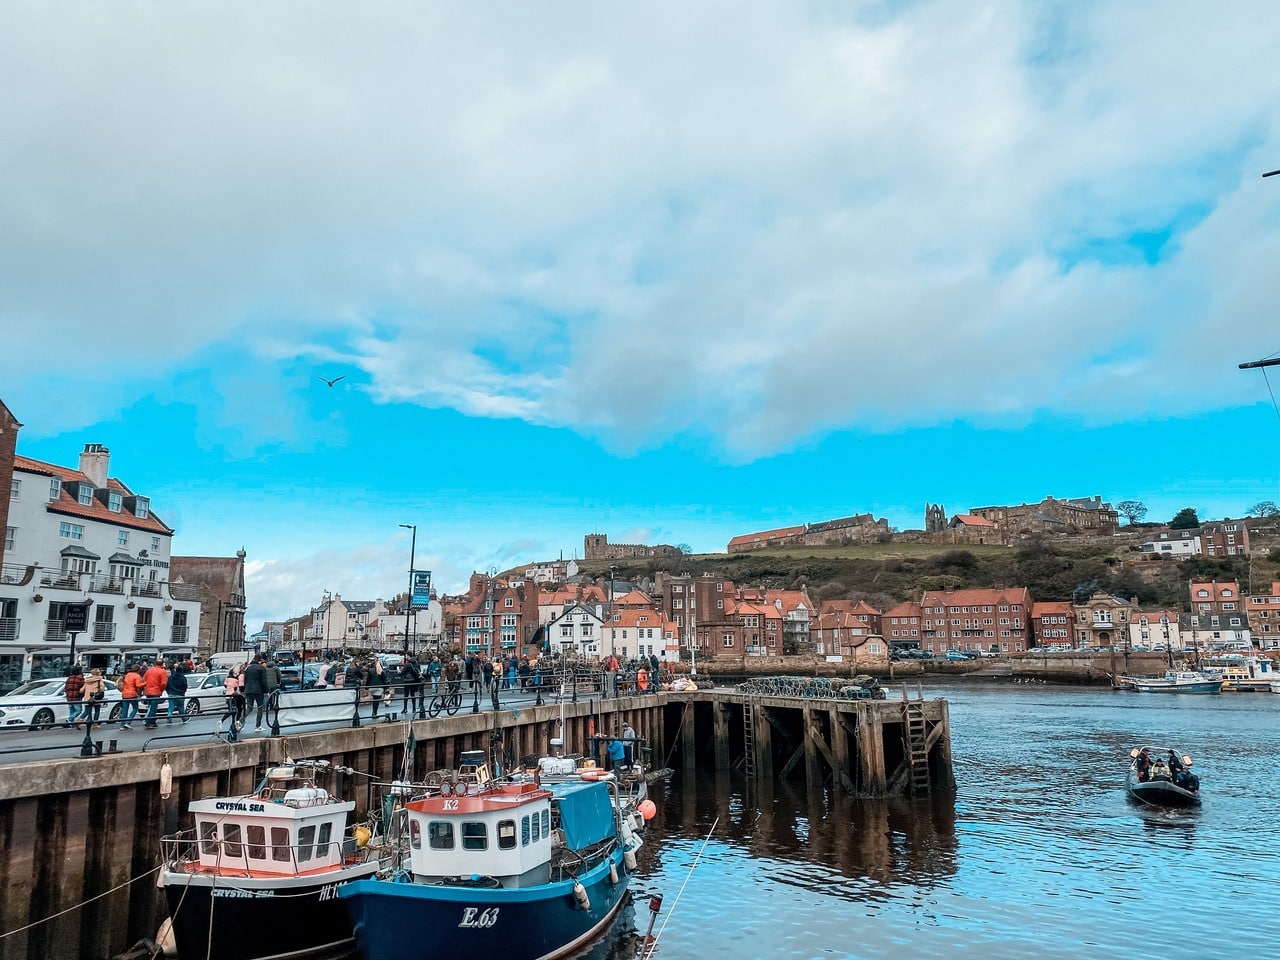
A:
(629, 739)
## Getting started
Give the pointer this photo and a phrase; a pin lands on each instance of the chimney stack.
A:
(94, 462)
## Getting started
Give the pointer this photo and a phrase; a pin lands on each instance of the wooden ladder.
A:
(917, 750)
(749, 740)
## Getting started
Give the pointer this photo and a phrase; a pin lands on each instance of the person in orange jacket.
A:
(130, 691)
(154, 682)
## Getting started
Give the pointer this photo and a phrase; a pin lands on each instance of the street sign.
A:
(421, 595)
(76, 618)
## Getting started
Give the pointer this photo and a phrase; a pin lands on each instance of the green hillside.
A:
(888, 573)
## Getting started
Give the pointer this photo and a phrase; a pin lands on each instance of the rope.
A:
(689, 876)
(82, 903)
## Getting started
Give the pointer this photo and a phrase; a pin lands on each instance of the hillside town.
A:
(89, 573)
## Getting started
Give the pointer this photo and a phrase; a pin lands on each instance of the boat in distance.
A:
(1176, 681)
(256, 877)
(504, 867)
(1162, 778)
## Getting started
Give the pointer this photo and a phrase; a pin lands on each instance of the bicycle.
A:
(448, 702)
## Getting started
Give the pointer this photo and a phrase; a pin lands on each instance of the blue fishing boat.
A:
(499, 867)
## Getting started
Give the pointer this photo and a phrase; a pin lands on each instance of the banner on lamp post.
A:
(421, 594)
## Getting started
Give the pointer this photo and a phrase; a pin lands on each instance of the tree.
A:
(1132, 510)
(1185, 519)
(1264, 508)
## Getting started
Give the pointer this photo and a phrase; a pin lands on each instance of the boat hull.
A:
(1161, 793)
(403, 920)
(255, 918)
(1167, 686)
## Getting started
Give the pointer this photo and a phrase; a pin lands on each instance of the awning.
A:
(80, 553)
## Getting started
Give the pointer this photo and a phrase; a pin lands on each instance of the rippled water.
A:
(1040, 855)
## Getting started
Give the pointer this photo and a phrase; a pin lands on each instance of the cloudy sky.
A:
(671, 271)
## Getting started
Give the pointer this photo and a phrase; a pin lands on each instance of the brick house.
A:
(976, 619)
(1051, 624)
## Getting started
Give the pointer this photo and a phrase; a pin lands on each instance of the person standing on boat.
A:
(629, 739)
(1142, 764)
(615, 751)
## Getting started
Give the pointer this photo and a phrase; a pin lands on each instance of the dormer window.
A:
(142, 508)
(114, 501)
(510, 602)
(1226, 592)
(55, 488)
(1202, 593)
(85, 495)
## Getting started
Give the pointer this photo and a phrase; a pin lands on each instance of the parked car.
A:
(39, 705)
(205, 692)
(290, 676)
(957, 655)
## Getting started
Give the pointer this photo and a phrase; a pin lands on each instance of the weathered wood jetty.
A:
(80, 838)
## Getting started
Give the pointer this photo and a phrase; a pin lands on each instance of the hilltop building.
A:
(859, 528)
(1088, 516)
(596, 546)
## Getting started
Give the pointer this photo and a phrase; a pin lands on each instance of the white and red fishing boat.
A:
(510, 867)
(257, 876)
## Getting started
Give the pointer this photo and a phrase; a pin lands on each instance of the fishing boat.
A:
(1241, 673)
(256, 877)
(1177, 681)
(511, 866)
(1162, 777)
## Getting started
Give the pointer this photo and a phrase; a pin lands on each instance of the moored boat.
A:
(1177, 681)
(1241, 673)
(1162, 778)
(256, 877)
(512, 867)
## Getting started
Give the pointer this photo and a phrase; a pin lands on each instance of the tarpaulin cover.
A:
(586, 813)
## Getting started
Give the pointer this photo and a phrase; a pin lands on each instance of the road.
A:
(58, 743)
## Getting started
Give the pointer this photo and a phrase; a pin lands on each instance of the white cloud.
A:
(641, 222)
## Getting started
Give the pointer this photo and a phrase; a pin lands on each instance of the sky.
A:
(670, 272)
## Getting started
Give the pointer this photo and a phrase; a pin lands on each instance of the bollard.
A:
(115, 746)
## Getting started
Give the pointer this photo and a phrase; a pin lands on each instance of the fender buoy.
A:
(580, 894)
(592, 775)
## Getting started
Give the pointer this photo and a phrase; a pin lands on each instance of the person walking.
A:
(377, 681)
(451, 675)
(255, 689)
(130, 693)
(434, 668)
(611, 676)
(411, 677)
(655, 672)
(154, 682)
(176, 688)
(73, 690)
(95, 691)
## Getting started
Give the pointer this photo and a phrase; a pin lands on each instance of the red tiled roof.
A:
(973, 520)
(767, 535)
(1050, 607)
(97, 510)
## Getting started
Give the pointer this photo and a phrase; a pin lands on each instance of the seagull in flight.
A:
(331, 382)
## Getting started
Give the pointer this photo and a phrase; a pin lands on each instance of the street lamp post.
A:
(413, 546)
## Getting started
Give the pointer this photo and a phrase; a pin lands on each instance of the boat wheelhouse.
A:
(513, 867)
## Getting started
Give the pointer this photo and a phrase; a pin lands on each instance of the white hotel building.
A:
(77, 536)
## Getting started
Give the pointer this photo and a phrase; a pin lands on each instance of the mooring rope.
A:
(82, 903)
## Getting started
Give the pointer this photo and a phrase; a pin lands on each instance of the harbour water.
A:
(1040, 855)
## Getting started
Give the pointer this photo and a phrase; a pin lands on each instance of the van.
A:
(227, 660)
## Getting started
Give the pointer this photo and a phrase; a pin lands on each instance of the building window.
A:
(55, 488)
(114, 501)
(509, 602)
(728, 639)
(15, 489)
(142, 507)
(122, 538)
(9, 533)
(155, 543)
(71, 531)
(85, 495)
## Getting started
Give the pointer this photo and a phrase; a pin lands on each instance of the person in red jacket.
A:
(153, 685)
(130, 691)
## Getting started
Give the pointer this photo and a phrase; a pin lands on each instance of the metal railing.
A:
(9, 628)
(144, 633)
(53, 630)
(104, 631)
(60, 581)
(179, 634)
(241, 855)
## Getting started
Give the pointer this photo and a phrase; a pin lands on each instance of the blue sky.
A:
(670, 273)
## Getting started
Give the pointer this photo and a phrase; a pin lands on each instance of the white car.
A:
(39, 705)
(205, 692)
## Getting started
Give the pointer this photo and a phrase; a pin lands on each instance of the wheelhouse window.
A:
(415, 835)
(475, 835)
(506, 834)
(306, 837)
(546, 823)
(256, 840)
(322, 841)
(440, 835)
(231, 845)
(281, 849)
(209, 837)
(524, 831)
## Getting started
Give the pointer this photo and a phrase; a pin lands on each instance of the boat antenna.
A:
(653, 945)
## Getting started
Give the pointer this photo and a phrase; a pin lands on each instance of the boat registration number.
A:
(475, 918)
